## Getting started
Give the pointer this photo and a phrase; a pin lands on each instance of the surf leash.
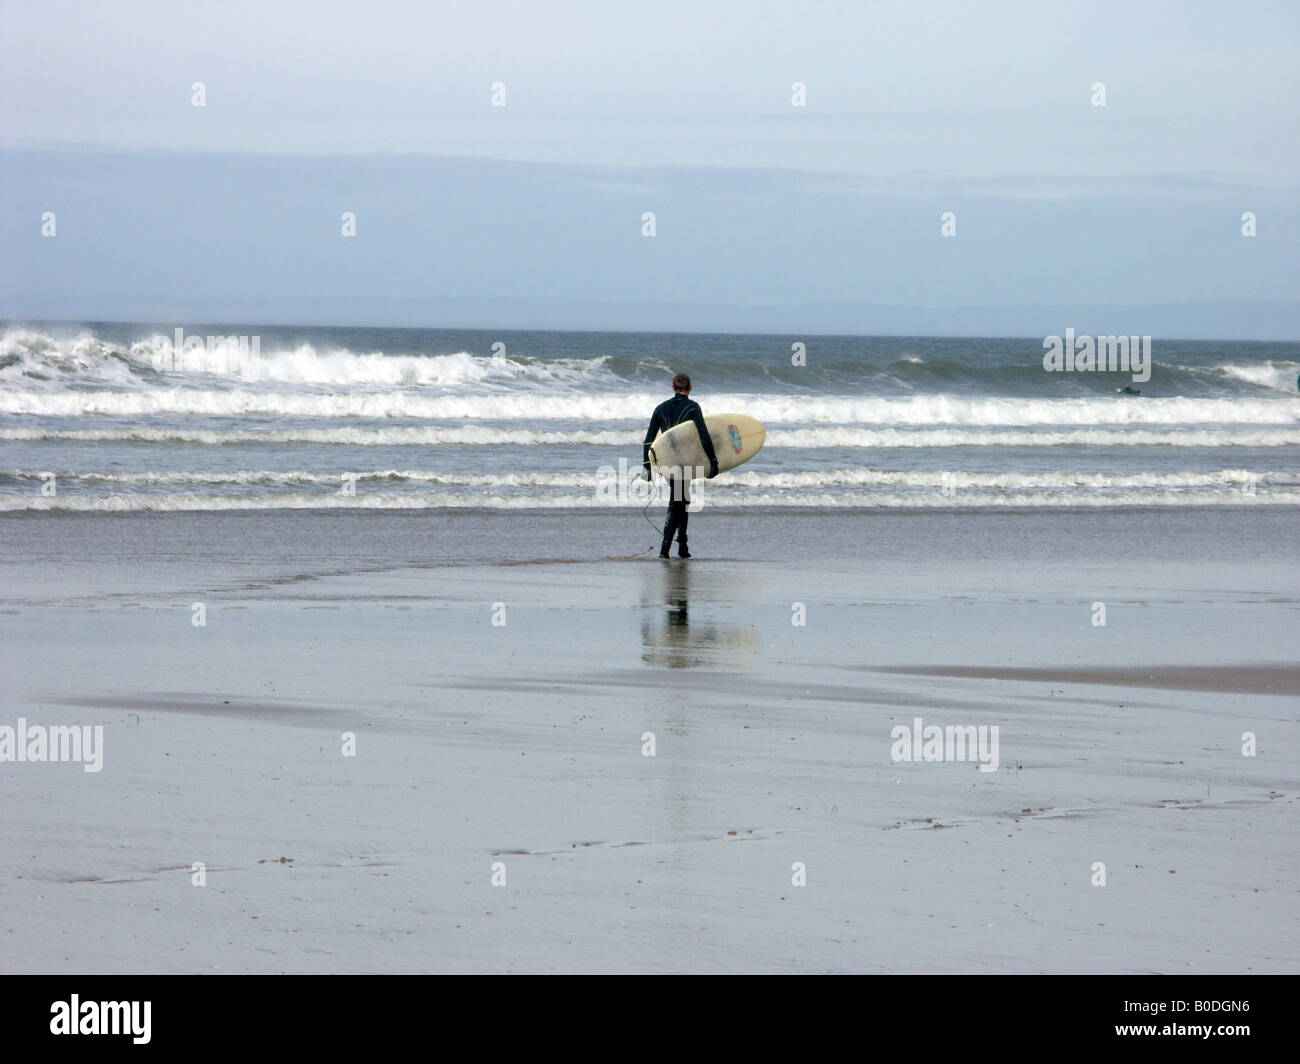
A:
(645, 510)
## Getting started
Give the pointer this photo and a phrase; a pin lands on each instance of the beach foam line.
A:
(392, 437)
(817, 438)
(119, 503)
(950, 479)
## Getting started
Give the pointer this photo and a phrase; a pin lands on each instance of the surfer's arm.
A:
(697, 415)
(650, 435)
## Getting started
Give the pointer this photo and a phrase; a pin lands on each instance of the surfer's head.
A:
(682, 384)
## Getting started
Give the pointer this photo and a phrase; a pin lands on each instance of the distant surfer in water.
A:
(681, 407)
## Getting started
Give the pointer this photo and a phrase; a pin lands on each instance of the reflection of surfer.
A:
(667, 414)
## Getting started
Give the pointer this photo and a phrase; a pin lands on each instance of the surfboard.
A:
(736, 439)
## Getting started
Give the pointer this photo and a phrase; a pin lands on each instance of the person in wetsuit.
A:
(667, 414)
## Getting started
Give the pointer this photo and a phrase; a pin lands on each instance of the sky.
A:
(531, 213)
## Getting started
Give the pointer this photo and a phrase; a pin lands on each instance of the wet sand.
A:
(521, 745)
(1229, 679)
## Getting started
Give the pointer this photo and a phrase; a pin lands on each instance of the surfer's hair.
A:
(682, 383)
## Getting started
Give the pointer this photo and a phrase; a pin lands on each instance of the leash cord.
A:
(645, 511)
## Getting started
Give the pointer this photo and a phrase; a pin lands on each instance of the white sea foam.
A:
(38, 361)
(827, 438)
(279, 478)
(604, 409)
(589, 478)
(31, 360)
(1280, 376)
(960, 480)
(419, 437)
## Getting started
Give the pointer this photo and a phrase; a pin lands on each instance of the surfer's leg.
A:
(682, 514)
(670, 526)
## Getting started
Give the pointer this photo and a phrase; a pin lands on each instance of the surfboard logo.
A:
(735, 438)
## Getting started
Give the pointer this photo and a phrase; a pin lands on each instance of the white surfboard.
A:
(736, 439)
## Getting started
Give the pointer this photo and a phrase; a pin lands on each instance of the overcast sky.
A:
(912, 109)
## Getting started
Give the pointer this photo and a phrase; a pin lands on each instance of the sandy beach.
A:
(504, 676)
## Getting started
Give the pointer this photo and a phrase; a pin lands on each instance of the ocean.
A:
(113, 417)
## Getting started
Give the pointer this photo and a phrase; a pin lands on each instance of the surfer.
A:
(681, 407)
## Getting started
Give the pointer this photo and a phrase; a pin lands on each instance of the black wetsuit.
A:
(667, 414)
